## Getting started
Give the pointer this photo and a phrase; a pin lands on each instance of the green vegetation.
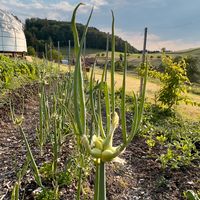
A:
(54, 55)
(188, 52)
(31, 51)
(41, 31)
(174, 81)
(165, 128)
(193, 68)
(16, 71)
(191, 195)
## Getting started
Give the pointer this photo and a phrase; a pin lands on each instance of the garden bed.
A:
(139, 176)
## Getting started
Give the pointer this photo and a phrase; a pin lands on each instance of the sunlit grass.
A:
(133, 83)
(188, 112)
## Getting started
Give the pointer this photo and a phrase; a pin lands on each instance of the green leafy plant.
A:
(31, 51)
(193, 70)
(20, 174)
(168, 157)
(16, 71)
(55, 55)
(46, 194)
(161, 139)
(191, 195)
(151, 143)
(179, 153)
(174, 81)
(178, 139)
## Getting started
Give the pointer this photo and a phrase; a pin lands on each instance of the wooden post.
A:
(106, 63)
(51, 58)
(46, 51)
(37, 54)
(69, 62)
(143, 59)
(59, 56)
(67, 55)
(84, 53)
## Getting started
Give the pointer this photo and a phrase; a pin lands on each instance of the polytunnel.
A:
(12, 38)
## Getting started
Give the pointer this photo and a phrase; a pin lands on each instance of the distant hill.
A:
(188, 52)
(41, 31)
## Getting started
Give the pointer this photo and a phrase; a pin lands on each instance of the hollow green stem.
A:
(102, 182)
(33, 163)
(97, 179)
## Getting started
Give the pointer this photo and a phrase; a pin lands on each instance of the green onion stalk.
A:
(18, 120)
(100, 147)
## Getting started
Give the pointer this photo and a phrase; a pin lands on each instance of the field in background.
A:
(188, 112)
(133, 59)
(65, 52)
(191, 52)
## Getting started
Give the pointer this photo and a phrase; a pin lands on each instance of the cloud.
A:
(60, 9)
(136, 3)
(11, 4)
(98, 3)
(62, 6)
(42, 9)
(154, 42)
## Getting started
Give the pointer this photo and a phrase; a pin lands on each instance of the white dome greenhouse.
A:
(12, 38)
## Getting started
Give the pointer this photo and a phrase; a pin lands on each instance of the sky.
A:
(172, 24)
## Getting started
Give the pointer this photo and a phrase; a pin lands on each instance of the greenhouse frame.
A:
(12, 38)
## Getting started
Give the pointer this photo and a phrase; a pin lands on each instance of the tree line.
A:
(40, 31)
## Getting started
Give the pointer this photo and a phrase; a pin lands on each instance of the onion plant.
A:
(100, 147)
(53, 125)
(44, 115)
(18, 120)
(53, 120)
(20, 174)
